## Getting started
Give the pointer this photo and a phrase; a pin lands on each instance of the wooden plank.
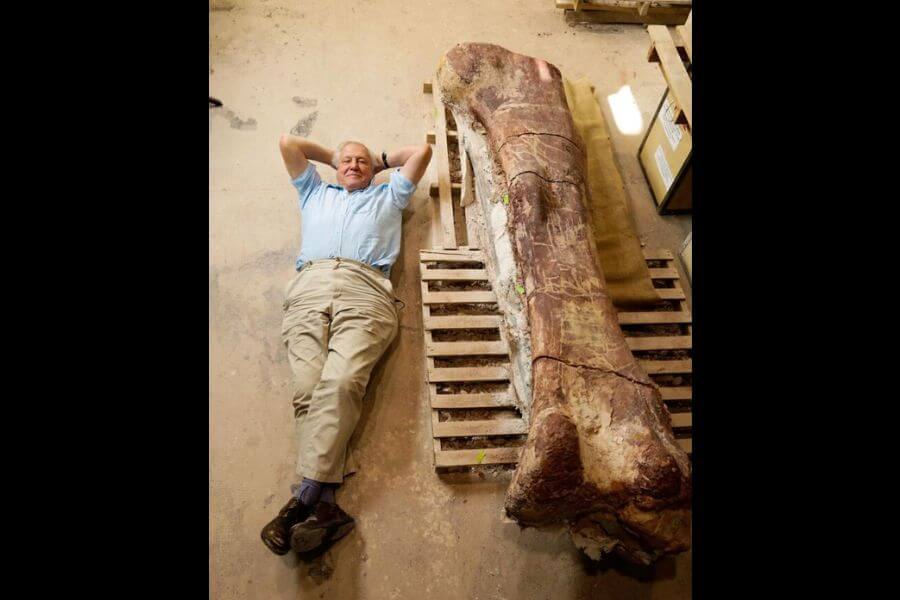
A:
(681, 419)
(484, 400)
(658, 254)
(452, 274)
(666, 367)
(463, 297)
(687, 36)
(490, 427)
(655, 16)
(653, 318)
(672, 293)
(430, 136)
(450, 256)
(685, 444)
(463, 322)
(464, 458)
(467, 348)
(682, 392)
(663, 273)
(448, 231)
(673, 70)
(629, 6)
(462, 374)
(673, 342)
(434, 191)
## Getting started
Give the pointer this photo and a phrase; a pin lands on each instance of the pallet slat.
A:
(453, 274)
(482, 400)
(464, 458)
(685, 444)
(676, 392)
(658, 254)
(664, 273)
(681, 419)
(466, 348)
(668, 342)
(449, 256)
(654, 318)
(673, 293)
(666, 367)
(434, 190)
(463, 374)
(463, 297)
(472, 428)
(463, 322)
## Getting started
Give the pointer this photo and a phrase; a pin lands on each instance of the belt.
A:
(340, 260)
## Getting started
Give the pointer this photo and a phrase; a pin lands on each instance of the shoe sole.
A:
(275, 549)
(306, 540)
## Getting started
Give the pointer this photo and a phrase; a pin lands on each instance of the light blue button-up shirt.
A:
(362, 225)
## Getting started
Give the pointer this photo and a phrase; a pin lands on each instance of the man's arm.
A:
(297, 152)
(413, 160)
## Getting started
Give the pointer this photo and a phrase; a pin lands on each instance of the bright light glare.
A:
(625, 111)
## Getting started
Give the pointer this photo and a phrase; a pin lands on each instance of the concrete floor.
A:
(356, 71)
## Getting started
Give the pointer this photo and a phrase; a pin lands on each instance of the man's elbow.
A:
(426, 152)
(286, 142)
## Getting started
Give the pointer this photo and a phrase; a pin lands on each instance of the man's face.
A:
(355, 169)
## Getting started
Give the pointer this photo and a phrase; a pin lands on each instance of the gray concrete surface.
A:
(355, 70)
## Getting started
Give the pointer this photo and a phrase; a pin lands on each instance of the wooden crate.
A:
(663, 12)
(461, 264)
(666, 151)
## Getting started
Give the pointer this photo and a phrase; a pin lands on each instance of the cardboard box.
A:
(665, 157)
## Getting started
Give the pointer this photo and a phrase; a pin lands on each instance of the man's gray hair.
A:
(342, 145)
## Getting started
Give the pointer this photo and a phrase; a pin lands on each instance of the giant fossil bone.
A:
(600, 452)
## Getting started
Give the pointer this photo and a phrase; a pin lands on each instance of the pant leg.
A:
(305, 331)
(364, 323)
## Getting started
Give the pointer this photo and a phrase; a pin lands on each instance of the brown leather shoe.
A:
(276, 534)
(327, 523)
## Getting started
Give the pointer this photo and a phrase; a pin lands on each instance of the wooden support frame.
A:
(661, 12)
(442, 161)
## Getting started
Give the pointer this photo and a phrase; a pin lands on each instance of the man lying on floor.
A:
(339, 318)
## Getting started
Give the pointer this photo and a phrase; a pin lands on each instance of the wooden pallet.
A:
(671, 49)
(466, 265)
(461, 264)
(662, 12)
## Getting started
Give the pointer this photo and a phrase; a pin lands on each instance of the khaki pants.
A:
(339, 318)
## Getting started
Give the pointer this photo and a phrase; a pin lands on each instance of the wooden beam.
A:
(490, 427)
(681, 419)
(482, 400)
(671, 293)
(430, 136)
(673, 342)
(667, 273)
(666, 367)
(463, 297)
(466, 348)
(658, 254)
(434, 190)
(453, 274)
(463, 322)
(464, 374)
(448, 230)
(654, 317)
(460, 256)
(687, 36)
(669, 393)
(464, 458)
(673, 70)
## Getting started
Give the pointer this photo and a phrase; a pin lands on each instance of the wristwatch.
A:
(384, 159)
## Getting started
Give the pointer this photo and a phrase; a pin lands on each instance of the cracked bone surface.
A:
(600, 452)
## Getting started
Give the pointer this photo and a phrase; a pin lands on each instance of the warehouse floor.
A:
(332, 72)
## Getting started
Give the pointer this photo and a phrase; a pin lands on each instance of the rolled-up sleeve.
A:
(401, 189)
(306, 183)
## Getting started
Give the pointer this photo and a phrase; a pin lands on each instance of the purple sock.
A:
(308, 491)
